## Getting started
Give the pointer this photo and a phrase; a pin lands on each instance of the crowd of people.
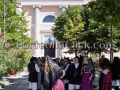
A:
(78, 73)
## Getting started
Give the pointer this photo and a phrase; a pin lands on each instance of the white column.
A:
(63, 8)
(37, 32)
(56, 49)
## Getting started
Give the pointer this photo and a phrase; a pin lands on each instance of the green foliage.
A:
(103, 14)
(105, 11)
(91, 24)
(13, 58)
(15, 25)
(69, 25)
(15, 32)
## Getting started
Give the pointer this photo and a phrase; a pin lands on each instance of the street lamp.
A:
(18, 11)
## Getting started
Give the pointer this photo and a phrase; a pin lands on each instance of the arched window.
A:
(48, 19)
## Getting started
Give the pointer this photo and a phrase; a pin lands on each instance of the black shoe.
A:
(113, 87)
(117, 88)
(38, 89)
(94, 86)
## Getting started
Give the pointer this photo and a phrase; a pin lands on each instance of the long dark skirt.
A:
(105, 82)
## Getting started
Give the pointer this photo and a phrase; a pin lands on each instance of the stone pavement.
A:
(22, 83)
(96, 82)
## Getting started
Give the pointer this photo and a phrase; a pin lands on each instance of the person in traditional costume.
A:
(51, 75)
(75, 75)
(66, 68)
(115, 67)
(33, 74)
(105, 82)
(88, 72)
(39, 63)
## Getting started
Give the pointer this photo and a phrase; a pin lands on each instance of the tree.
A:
(68, 27)
(16, 26)
(96, 32)
(103, 14)
(105, 11)
(15, 32)
(96, 18)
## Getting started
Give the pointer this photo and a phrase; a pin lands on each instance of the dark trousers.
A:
(117, 88)
(66, 86)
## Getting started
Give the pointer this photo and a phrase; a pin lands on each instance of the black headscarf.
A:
(90, 63)
(51, 73)
(91, 66)
(106, 63)
(33, 59)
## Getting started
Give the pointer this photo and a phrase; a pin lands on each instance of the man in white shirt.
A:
(75, 75)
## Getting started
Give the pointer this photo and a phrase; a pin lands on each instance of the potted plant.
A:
(12, 73)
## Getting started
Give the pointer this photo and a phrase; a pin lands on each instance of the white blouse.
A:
(76, 65)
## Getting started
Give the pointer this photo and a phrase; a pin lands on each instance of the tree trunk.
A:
(75, 52)
(99, 52)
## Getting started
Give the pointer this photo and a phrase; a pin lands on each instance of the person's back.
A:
(32, 78)
(32, 72)
(30, 69)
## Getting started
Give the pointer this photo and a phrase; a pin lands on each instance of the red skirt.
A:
(105, 82)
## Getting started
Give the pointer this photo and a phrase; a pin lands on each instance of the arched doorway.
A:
(49, 46)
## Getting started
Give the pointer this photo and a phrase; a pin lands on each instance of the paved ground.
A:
(96, 82)
(22, 83)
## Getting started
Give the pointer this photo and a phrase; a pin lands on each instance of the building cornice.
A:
(51, 3)
(46, 31)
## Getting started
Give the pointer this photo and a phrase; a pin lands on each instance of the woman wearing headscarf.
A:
(115, 67)
(105, 82)
(51, 75)
(88, 72)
